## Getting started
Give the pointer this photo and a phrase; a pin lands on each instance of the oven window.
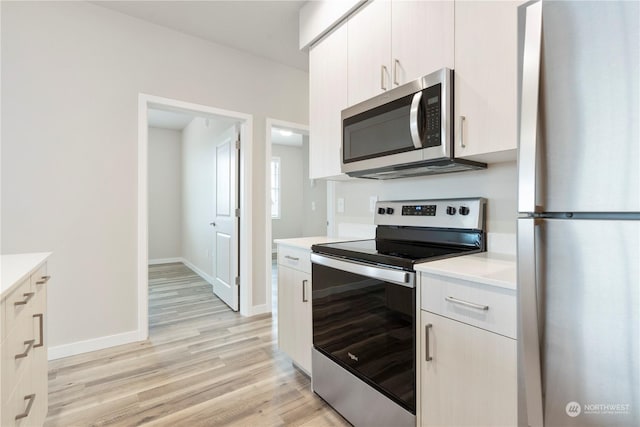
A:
(367, 326)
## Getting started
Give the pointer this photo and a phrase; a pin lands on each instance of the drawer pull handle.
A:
(304, 291)
(467, 304)
(427, 357)
(29, 344)
(25, 414)
(27, 295)
(41, 324)
(292, 258)
(43, 280)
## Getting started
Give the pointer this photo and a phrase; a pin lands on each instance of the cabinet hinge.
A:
(238, 143)
(238, 212)
(237, 280)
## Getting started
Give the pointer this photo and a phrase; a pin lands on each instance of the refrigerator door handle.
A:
(530, 82)
(528, 334)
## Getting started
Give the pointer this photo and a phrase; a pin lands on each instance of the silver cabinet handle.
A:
(27, 295)
(462, 144)
(304, 291)
(43, 280)
(427, 357)
(41, 327)
(413, 120)
(24, 354)
(292, 258)
(395, 72)
(25, 414)
(383, 71)
(467, 303)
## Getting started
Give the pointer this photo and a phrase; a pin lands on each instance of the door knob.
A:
(213, 224)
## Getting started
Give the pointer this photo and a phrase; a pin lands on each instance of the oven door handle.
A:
(398, 277)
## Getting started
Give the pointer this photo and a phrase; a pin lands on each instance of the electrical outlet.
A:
(372, 203)
(313, 206)
(340, 205)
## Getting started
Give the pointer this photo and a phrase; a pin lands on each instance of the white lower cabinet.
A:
(468, 372)
(24, 367)
(294, 306)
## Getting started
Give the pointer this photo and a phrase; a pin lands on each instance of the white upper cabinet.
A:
(327, 99)
(369, 51)
(486, 37)
(394, 42)
(421, 38)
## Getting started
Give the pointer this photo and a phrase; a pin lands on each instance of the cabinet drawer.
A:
(18, 403)
(11, 312)
(487, 307)
(297, 258)
(14, 344)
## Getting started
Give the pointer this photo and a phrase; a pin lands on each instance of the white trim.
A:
(196, 270)
(164, 261)
(294, 127)
(146, 101)
(261, 309)
(93, 344)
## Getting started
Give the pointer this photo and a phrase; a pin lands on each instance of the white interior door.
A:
(225, 224)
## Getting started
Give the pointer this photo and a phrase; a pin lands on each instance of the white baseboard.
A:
(199, 272)
(164, 260)
(260, 309)
(93, 344)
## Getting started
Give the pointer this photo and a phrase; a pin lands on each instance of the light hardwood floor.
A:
(203, 365)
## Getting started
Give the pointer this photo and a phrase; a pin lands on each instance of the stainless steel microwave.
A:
(406, 131)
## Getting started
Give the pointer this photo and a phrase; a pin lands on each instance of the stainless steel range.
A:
(364, 305)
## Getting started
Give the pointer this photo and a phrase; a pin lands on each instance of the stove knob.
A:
(390, 211)
(463, 210)
(381, 211)
(451, 210)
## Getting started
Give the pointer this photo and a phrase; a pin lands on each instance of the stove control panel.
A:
(450, 213)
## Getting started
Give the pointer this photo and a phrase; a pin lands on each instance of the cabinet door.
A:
(294, 315)
(286, 319)
(369, 43)
(39, 363)
(486, 36)
(471, 379)
(327, 98)
(302, 316)
(421, 38)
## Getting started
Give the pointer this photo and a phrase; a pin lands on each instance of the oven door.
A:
(364, 320)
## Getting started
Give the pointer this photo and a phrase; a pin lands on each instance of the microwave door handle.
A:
(413, 120)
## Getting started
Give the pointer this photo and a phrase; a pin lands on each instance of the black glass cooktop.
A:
(390, 252)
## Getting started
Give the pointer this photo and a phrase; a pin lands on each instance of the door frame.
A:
(146, 101)
(294, 127)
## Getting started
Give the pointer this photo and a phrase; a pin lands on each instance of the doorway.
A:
(238, 201)
(296, 205)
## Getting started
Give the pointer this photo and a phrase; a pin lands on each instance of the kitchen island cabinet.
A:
(23, 371)
(466, 341)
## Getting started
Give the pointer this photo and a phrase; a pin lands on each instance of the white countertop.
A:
(489, 268)
(307, 242)
(15, 268)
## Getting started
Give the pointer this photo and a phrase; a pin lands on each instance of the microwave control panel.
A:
(432, 104)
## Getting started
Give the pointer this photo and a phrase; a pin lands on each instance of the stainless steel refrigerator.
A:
(579, 214)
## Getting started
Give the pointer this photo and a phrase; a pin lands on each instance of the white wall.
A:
(198, 191)
(313, 191)
(498, 184)
(71, 75)
(165, 193)
(291, 192)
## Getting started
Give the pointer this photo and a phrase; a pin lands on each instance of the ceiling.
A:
(168, 119)
(264, 28)
(285, 137)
